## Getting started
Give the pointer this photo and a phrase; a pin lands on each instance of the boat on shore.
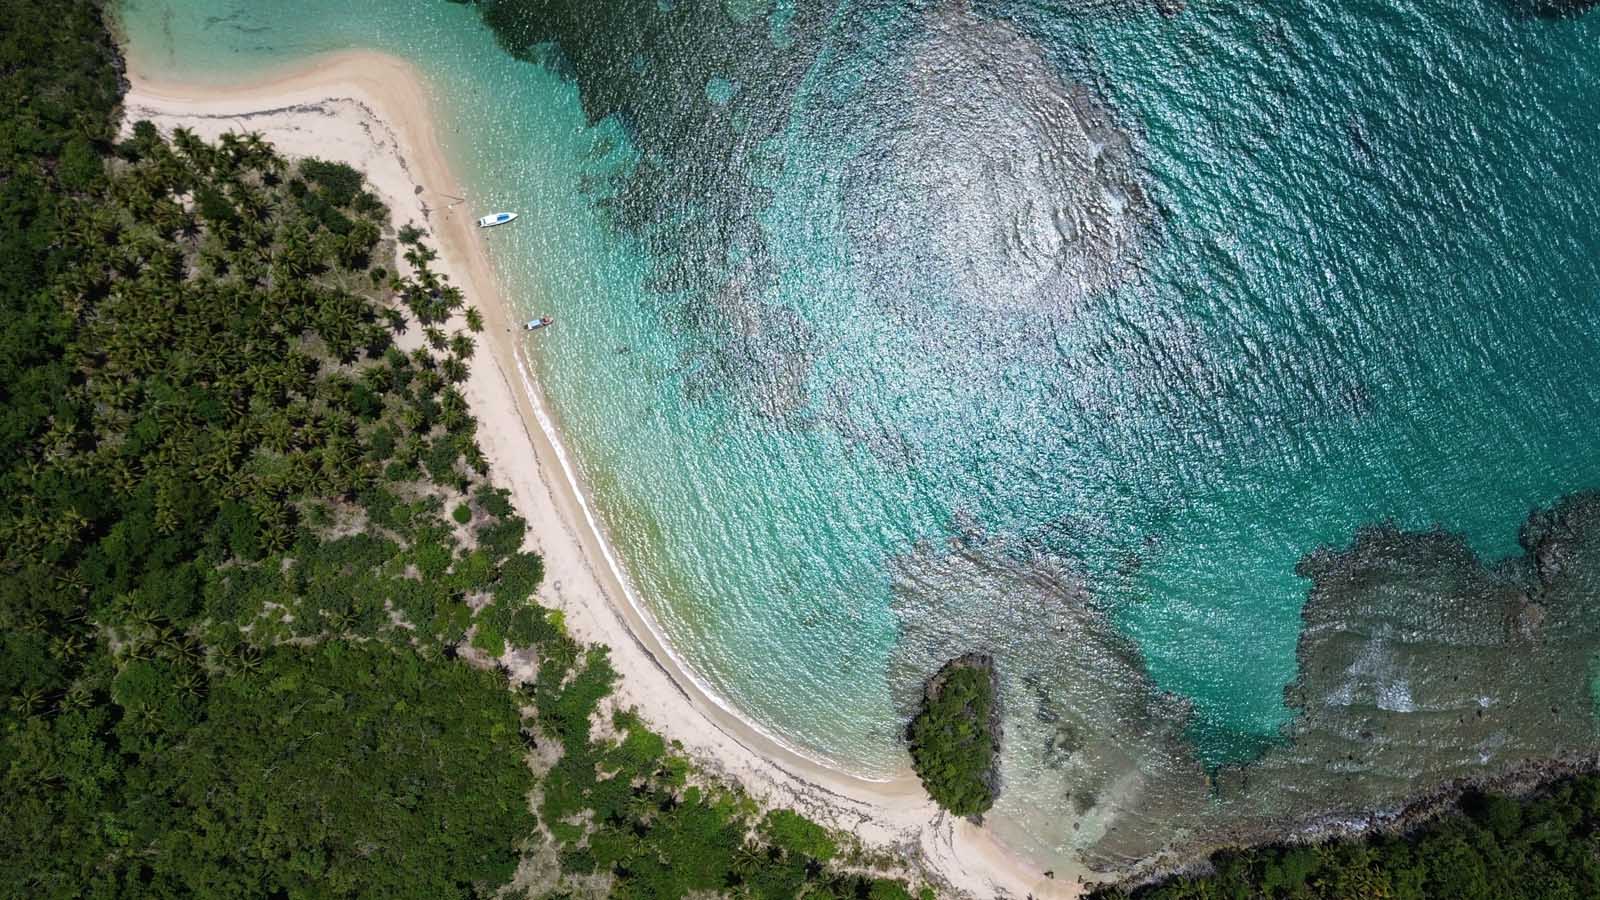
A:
(493, 219)
(536, 324)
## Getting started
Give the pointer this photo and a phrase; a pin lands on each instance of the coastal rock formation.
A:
(955, 737)
(1421, 669)
(1420, 664)
(1083, 721)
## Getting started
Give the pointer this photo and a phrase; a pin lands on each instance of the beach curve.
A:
(375, 112)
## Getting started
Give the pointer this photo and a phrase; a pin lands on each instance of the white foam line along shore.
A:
(375, 112)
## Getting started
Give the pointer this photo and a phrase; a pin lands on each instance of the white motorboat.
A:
(493, 219)
(536, 324)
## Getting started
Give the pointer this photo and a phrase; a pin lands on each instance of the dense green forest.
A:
(249, 535)
(1543, 847)
(954, 738)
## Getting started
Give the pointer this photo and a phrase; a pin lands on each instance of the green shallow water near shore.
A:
(894, 331)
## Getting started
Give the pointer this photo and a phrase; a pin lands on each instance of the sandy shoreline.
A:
(375, 112)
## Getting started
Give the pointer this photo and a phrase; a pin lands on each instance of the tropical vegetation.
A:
(257, 589)
(1489, 847)
(953, 739)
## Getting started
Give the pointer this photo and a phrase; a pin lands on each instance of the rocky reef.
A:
(992, 181)
(1419, 664)
(1422, 670)
(1084, 723)
(971, 172)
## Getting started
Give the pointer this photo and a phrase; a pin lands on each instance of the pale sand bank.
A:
(374, 112)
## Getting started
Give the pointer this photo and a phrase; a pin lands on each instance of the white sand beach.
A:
(374, 112)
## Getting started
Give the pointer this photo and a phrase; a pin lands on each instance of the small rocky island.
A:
(955, 737)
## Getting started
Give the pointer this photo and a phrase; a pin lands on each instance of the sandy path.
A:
(374, 112)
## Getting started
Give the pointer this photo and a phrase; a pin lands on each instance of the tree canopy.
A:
(1490, 847)
(953, 740)
(255, 582)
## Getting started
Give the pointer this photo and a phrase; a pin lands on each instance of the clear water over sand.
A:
(890, 331)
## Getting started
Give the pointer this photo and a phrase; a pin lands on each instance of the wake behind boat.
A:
(493, 219)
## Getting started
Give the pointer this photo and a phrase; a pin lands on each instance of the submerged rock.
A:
(1552, 9)
(1420, 664)
(1422, 670)
(992, 182)
(1083, 720)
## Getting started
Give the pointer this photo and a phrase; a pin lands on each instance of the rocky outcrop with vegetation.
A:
(955, 738)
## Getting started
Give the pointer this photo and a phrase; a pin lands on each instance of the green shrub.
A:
(81, 167)
(888, 889)
(340, 182)
(797, 834)
(214, 207)
(1534, 848)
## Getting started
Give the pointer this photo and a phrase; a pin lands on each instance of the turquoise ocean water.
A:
(945, 318)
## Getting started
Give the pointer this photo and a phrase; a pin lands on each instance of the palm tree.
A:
(77, 698)
(141, 650)
(249, 658)
(395, 320)
(241, 484)
(419, 255)
(260, 153)
(412, 419)
(166, 517)
(67, 646)
(296, 252)
(276, 533)
(461, 345)
(474, 320)
(30, 700)
(473, 454)
(750, 858)
(452, 298)
(214, 467)
(192, 682)
(377, 379)
(429, 381)
(452, 419)
(252, 204)
(197, 152)
(340, 621)
(70, 581)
